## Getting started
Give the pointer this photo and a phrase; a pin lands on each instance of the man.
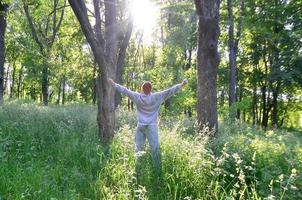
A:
(148, 105)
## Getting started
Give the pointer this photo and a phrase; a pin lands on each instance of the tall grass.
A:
(53, 153)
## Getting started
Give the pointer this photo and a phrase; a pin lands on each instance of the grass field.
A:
(53, 153)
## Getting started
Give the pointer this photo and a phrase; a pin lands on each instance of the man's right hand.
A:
(111, 81)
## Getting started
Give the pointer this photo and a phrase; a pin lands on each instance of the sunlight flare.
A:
(145, 15)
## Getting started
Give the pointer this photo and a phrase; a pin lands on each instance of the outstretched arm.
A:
(167, 93)
(132, 95)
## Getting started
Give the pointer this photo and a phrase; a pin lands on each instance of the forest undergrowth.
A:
(53, 153)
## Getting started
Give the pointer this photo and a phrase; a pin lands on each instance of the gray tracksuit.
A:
(147, 110)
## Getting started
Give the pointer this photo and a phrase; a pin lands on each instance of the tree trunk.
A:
(45, 84)
(63, 90)
(222, 97)
(233, 48)
(207, 62)
(254, 111)
(239, 100)
(264, 109)
(3, 10)
(45, 41)
(6, 80)
(59, 92)
(275, 105)
(232, 58)
(11, 94)
(105, 50)
(94, 87)
(20, 82)
(33, 93)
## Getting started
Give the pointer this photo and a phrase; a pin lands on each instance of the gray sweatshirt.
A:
(148, 105)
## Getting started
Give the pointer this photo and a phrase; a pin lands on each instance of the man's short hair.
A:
(147, 87)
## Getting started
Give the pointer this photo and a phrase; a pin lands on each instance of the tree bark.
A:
(20, 82)
(232, 57)
(3, 23)
(275, 105)
(264, 107)
(254, 111)
(45, 84)
(11, 94)
(105, 50)
(6, 79)
(59, 91)
(94, 86)
(207, 62)
(222, 97)
(63, 90)
(240, 96)
(233, 48)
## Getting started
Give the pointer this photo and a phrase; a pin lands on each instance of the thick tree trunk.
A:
(207, 62)
(3, 10)
(106, 52)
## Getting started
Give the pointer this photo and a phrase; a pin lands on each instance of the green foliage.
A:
(52, 153)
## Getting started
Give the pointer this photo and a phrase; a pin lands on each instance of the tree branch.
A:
(56, 27)
(32, 27)
(122, 50)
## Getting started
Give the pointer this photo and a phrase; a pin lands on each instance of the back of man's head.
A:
(147, 87)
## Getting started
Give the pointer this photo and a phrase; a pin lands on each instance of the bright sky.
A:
(145, 14)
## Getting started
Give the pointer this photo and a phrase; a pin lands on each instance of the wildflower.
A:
(254, 157)
(281, 177)
(294, 173)
(248, 167)
(237, 158)
(293, 187)
(140, 154)
(270, 197)
(271, 185)
(241, 177)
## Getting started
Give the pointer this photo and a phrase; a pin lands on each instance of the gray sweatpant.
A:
(151, 133)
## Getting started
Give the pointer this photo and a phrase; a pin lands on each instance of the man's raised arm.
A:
(132, 95)
(168, 92)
